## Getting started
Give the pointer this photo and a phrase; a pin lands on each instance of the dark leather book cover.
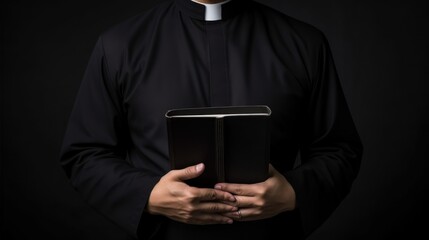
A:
(233, 142)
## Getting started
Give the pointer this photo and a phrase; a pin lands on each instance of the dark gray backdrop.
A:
(381, 52)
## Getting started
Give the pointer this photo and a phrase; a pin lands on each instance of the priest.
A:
(202, 53)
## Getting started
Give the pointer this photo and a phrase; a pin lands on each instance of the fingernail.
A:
(199, 167)
(232, 199)
(217, 186)
(234, 209)
(229, 221)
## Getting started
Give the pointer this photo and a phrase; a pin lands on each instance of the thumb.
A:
(189, 172)
(271, 170)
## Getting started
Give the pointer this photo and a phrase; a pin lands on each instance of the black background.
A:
(381, 53)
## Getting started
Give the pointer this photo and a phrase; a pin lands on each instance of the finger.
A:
(207, 194)
(237, 189)
(236, 216)
(245, 202)
(234, 204)
(189, 172)
(243, 214)
(215, 207)
(240, 215)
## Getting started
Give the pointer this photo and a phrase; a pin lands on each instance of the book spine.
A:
(267, 146)
(220, 150)
(170, 146)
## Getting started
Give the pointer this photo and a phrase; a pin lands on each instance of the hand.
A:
(176, 200)
(261, 200)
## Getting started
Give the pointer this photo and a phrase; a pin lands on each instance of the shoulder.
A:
(121, 35)
(121, 41)
(289, 25)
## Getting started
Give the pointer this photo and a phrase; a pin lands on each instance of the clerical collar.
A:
(213, 11)
(223, 10)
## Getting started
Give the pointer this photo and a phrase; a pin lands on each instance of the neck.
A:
(209, 1)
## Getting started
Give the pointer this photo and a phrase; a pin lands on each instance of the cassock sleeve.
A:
(94, 149)
(331, 153)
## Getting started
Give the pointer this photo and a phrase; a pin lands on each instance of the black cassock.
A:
(115, 148)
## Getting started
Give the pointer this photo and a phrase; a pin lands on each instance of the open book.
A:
(233, 142)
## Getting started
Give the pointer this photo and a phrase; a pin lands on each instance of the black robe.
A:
(115, 148)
